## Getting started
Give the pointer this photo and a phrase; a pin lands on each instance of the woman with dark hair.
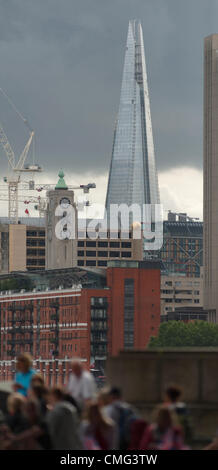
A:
(39, 393)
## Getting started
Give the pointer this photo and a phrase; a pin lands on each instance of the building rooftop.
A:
(183, 229)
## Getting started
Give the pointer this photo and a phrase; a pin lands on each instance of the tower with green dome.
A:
(61, 239)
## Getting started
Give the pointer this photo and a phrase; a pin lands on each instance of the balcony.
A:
(54, 304)
(54, 316)
(54, 340)
(29, 306)
(16, 307)
(95, 341)
(20, 341)
(102, 306)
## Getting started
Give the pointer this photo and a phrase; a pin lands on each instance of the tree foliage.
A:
(180, 334)
(16, 284)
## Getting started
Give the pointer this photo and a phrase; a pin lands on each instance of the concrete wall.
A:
(17, 247)
(144, 375)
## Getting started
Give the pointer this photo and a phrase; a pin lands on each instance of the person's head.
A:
(37, 379)
(38, 392)
(173, 393)
(15, 403)
(24, 362)
(56, 394)
(72, 401)
(115, 394)
(77, 367)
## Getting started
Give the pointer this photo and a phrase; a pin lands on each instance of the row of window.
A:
(105, 235)
(36, 252)
(31, 242)
(35, 262)
(103, 244)
(35, 233)
(57, 300)
(92, 263)
(104, 254)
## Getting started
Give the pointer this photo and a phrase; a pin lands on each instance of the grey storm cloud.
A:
(61, 63)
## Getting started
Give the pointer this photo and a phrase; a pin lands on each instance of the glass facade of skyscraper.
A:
(133, 176)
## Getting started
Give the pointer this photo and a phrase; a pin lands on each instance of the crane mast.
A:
(14, 169)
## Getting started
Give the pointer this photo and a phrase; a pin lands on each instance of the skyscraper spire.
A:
(133, 177)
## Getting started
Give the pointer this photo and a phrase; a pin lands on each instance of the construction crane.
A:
(40, 202)
(16, 168)
(45, 187)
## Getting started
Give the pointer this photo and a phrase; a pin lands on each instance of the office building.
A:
(211, 176)
(180, 291)
(59, 314)
(133, 176)
(182, 250)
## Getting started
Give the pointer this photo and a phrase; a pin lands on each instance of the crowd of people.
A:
(80, 417)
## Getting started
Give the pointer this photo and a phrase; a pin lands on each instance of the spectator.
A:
(24, 374)
(16, 419)
(98, 430)
(37, 379)
(40, 394)
(163, 434)
(173, 401)
(81, 385)
(73, 402)
(122, 414)
(37, 422)
(63, 422)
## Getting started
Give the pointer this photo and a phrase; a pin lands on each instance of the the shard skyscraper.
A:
(133, 176)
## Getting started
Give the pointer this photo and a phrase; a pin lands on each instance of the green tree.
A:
(180, 334)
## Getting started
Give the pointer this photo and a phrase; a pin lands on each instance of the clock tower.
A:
(61, 227)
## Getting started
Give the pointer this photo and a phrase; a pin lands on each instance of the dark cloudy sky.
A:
(61, 62)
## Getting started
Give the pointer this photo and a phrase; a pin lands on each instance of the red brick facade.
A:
(55, 326)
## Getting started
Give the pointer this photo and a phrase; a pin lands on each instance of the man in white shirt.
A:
(81, 385)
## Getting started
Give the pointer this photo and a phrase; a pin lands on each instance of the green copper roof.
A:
(61, 183)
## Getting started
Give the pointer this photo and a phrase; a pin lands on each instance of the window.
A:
(91, 244)
(129, 302)
(114, 254)
(91, 253)
(126, 254)
(102, 263)
(41, 262)
(103, 244)
(31, 233)
(80, 243)
(80, 253)
(31, 252)
(80, 262)
(91, 263)
(115, 244)
(103, 254)
(126, 244)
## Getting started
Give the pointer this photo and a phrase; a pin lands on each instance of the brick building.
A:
(101, 313)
